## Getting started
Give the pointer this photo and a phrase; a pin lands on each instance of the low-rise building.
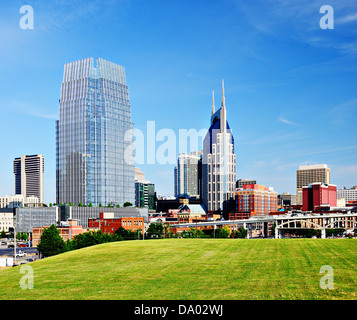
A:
(28, 218)
(287, 199)
(18, 200)
(318, 195)
(82, 214)
(347, 194)
(6, 219)
(189, 212)
(107, 223)
(67, 231)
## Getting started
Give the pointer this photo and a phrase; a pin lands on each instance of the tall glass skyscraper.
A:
(92, 135)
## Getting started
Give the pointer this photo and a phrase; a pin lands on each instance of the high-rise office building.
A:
(218, 162)
(187, 174)
(256, 199)
(29, 170)
(93, 135)
(308, 174)
(145, 196)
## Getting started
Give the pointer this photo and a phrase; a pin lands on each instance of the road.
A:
(31, 252)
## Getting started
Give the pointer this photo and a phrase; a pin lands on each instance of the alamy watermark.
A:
(26, 281)
(327, 20)
(27, 20)
(326, 281)
(160, 147)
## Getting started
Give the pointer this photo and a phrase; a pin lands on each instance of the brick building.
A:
(256, 199)
(108, 224)
(67, 232)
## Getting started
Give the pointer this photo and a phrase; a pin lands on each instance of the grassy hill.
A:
(192, 269)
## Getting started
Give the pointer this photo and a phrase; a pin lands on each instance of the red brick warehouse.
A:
(108, 224)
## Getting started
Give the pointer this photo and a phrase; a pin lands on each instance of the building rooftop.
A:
(313, 166)
(194, 208)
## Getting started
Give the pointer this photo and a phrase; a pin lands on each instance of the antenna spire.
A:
(223, 111)
(213, 108)
(223, 98)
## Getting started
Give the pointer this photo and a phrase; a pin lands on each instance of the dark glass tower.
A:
(92, 135)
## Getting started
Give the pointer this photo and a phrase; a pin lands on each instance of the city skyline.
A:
(290, 85)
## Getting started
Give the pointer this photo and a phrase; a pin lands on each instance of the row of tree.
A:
(51, 243)
(19, 235)
(126, 204)
(221, 233)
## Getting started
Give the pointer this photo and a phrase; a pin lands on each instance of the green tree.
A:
(87, 239)
(241, 233)
(124, 234)
(167, 231)
(70, 245)
(223, 232)
(118, 205)
(127, 204)
(3, 234)
(194, 233)
(90, 205)
(24, 236)
(156, 229)
(51, 242)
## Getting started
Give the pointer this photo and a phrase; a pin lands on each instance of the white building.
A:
(6, 221)
(347, 194)
(186, 174)
(18, 200)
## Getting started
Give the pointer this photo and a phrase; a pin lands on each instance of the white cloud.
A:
(347, 19)
(286, 121)
(27, 108)
(42, 115)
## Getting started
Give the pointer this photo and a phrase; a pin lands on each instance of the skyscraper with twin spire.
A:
(218, 162)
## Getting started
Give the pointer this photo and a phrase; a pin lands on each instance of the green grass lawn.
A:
(216, 269)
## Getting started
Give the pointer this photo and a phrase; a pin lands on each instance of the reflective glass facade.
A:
(92, 135)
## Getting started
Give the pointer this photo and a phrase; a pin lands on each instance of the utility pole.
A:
(14, 223)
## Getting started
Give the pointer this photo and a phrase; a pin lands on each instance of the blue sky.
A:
(291, 89)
